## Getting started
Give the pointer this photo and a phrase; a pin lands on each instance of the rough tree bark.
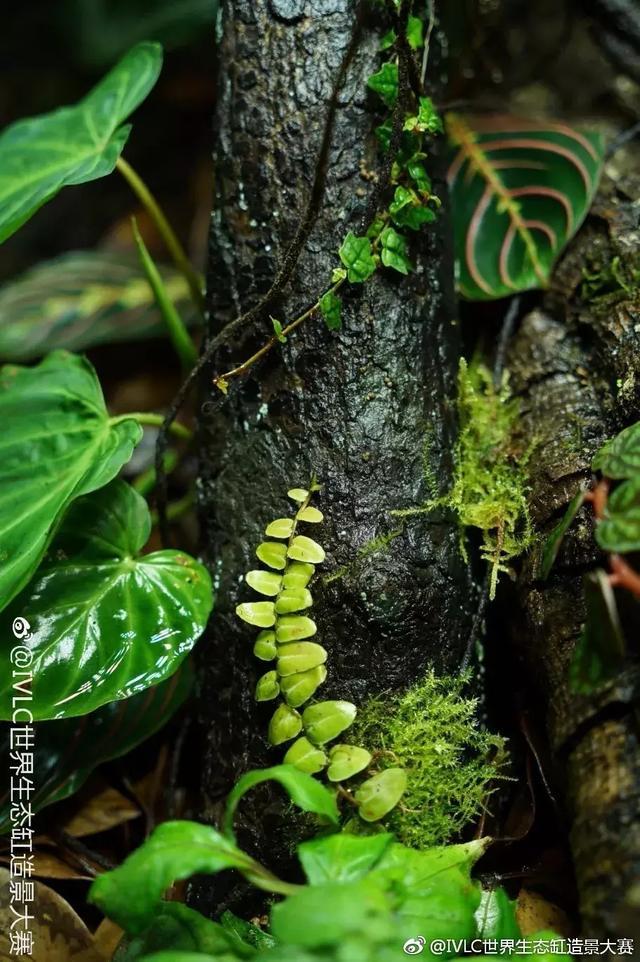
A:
(577, 367)
(356, 407)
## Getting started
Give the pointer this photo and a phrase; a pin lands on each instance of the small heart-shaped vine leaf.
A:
(520, 190)
(619, 530)
(620, 457)
(58, 444)
(303, 790)
(106, 623)
(68, 750)
(331, 310)
(356, 255)
(41, 155)
(82, 299)
(394, 251)
(385, 83)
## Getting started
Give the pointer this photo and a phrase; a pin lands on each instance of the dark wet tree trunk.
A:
(577, 366)
(359, 408)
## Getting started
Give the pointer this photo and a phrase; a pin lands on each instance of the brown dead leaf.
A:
(96, 808)
(50, 865)
(59, 934)
(107, 937)
(535, 913)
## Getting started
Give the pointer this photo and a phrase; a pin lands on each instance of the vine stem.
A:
(175, 248)
(222, 381)
(149, 419)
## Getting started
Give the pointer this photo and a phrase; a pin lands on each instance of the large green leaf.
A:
(58, 444)
(303, 790)
(106, 623)
(520, 190)
(131, 894)
(68, 750)
(81, 299)
(40, 155)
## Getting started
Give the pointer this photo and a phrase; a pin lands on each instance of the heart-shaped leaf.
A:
(341, 857)
(73, 145)
(81, 299)
(58, 443)
(67, 751)
(520, 190)
(106, 623)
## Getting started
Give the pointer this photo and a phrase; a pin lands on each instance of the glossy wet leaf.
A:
(72, 145)
(394, 251)
(599, 652)
(303, 790)
(326, 720)
(265, 582)
(58, 443)
(300, 656)
(305, 549)
(68, 750)
(357, 257)
(267, 687)
(107, 622)
(298, 688)
(555, 539)
(293, 599)
(520, 190)
(341, 857)
(82, 299)
(272, 553)
(294, 628)
(345, 761)
(305, 756)
(262, 614)
(380, 793)
(619, 530)
(132, 894)
(331, 310)
(385, 83)
(620, 457)
(285, 724)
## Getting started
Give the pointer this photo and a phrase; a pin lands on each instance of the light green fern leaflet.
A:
(301, 665)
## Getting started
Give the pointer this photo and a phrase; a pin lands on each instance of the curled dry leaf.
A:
(59, 935)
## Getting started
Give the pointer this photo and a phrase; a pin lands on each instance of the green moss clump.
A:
(452, 764)
(613, 281)
(490, 477)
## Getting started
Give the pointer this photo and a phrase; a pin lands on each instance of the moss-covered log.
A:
(576, 364)
(356, 407)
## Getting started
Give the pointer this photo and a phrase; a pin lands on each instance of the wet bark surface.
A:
(359, 407)
(576, 365)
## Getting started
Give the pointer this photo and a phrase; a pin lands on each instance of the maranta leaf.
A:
(81, 299)
(520, 190)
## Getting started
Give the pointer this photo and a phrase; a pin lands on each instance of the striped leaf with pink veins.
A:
(520, 190)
